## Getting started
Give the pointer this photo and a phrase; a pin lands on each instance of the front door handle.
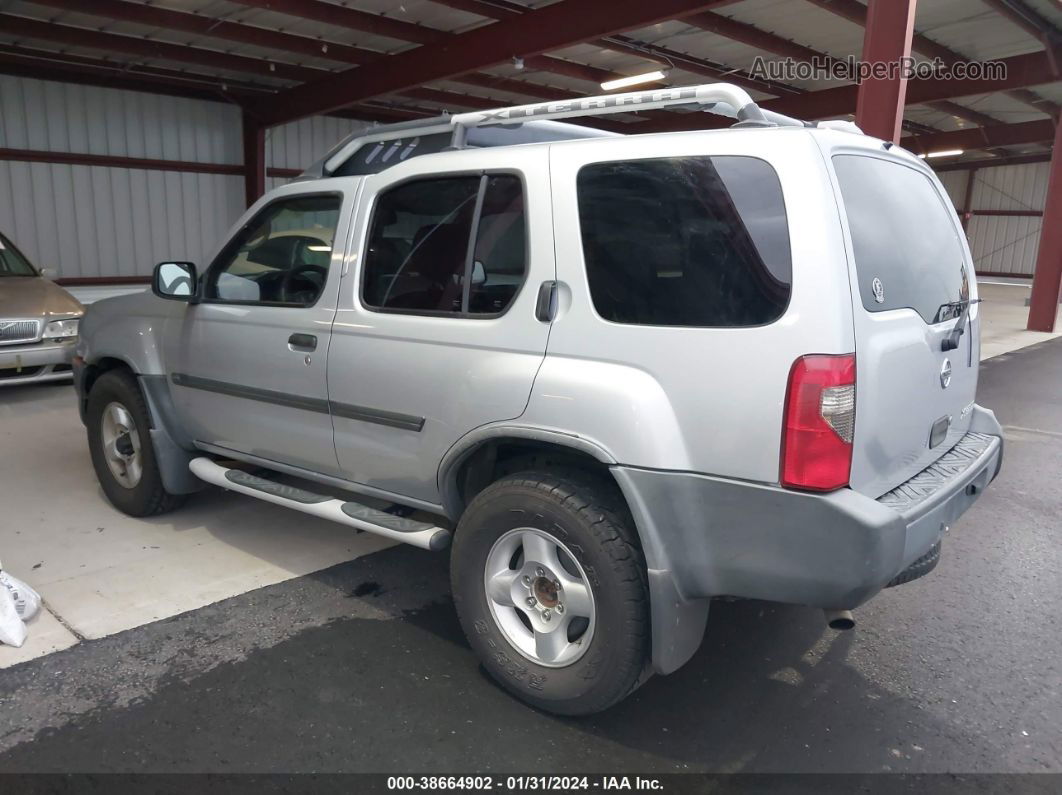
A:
(546, 305)
(302, 342)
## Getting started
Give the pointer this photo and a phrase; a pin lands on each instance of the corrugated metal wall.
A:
(1002, 244)
(95, 221)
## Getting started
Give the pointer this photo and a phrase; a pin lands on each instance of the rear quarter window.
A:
(904, 240)
(685, 241)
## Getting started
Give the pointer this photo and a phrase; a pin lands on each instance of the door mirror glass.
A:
(174, 280)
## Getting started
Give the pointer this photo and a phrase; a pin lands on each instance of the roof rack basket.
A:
(721, 98)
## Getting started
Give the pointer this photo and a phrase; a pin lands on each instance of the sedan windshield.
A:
(12, 263)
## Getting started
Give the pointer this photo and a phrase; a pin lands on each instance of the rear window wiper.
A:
(951, 342)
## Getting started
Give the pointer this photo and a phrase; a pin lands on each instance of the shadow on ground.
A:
(768, 691)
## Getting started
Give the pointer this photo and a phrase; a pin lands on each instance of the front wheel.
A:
(550, 587)
(119, 437)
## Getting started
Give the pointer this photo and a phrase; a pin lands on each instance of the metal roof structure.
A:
(387, 61)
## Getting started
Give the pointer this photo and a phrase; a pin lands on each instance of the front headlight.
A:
(61, 329)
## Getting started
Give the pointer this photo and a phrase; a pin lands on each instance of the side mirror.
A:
(175, 281)
(479, 273)
(49, 274)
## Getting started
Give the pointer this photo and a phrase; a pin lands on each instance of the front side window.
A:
(685, 241)
(906, 247)
(450, 245)
(281, 256)
(12, 263)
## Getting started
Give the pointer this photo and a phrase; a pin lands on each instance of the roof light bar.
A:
(634, 80)
(943, 153)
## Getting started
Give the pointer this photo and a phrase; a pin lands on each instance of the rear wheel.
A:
(119, 436)
(549, 584)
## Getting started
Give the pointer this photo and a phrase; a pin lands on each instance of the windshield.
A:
(906, 246)
(12, 263)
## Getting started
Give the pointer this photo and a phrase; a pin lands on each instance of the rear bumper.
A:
(43, 361)
(706, 536)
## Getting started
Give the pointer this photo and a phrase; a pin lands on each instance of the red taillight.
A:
(819, 422)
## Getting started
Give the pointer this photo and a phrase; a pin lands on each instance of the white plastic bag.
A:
(12, 630)
(18, 603)
(27, 601)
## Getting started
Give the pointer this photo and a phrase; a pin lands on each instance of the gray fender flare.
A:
(677, 624)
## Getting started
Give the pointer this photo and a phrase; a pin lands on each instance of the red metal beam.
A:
(1047, 278)
(113, 161)
(154, 16)
(1010, 213)
(968, 198)
(203, 25)
(769, 42)
(147, 48)
(254, 169)
(994, 162)
(1028, 20)
(856, 12)
(352, 19)
(64, 67)
(887, 41)
(548, 28)
(1029, 132)
(1021, 70)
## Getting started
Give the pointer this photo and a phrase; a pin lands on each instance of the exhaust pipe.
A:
(839, 619)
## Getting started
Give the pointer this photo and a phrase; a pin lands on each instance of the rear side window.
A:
(421, 238)
(907, 250)
(685, 241)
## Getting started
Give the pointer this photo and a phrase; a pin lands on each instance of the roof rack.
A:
(391, 143)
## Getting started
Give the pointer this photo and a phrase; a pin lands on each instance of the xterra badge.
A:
(879, 290)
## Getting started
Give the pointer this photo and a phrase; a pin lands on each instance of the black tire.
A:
(588, 515)
(148, 497)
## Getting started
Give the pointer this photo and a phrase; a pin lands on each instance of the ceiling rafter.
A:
(856, 12)
(769, 42)
(1029, 132)
(70, 68)
(544, 29)
(163, 18)
(151, 48)
(1021, 71)
(351, 19)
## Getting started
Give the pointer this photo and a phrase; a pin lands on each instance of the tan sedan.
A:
(38, 322)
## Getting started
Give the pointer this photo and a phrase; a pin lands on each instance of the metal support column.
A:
(886, 41)
(1043, 306)
(253, 158)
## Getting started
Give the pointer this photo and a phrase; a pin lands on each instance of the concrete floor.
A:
(362, 667)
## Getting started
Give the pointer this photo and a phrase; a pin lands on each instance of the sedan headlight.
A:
(61, 329)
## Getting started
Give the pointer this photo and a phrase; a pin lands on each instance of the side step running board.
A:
(351, 514)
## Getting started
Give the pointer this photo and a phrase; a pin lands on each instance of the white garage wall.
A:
(98, 221)
(301, 143)
(1002, 244)
(91, 221)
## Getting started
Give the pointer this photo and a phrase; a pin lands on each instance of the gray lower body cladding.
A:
(705, 536)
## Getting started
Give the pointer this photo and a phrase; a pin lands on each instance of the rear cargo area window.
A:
(685, 241)
(906, 247)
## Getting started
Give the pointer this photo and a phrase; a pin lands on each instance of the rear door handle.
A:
(302, 342)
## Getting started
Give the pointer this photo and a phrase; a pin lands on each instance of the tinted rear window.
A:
(907, 250)
(685, 241)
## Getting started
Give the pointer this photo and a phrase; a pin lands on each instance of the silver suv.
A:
(624, 374)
